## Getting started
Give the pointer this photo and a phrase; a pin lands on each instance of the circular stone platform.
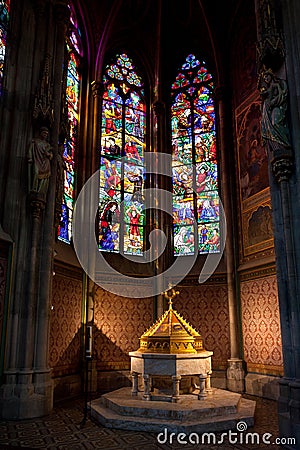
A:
(220, 411)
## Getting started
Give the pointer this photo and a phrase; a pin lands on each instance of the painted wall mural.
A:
(256, 233)
(253, 162)
(261, 325)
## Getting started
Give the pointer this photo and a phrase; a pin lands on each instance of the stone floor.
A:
(63, 430)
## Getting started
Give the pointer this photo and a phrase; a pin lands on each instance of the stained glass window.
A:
(194, 161)
(73, 79)
(4, 18)
(122, 172)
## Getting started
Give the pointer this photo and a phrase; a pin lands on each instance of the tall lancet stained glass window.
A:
(122, 172)
(73, 80)
(4, 18)
(194, 161)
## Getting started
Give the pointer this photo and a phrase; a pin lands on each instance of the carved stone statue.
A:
(39, 157)
(274, 129)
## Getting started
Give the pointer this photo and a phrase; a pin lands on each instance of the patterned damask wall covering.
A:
(65, 325)
(119, 322)
(261, 326)
(205, 307)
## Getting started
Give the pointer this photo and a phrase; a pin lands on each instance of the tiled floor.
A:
(63, 430)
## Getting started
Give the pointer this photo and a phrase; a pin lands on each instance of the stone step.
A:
(187, 407)
(187, 424)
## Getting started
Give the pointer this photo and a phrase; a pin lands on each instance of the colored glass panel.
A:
(122, 170)
(209, 237)
(4, 19)
(194, 160)
(71, 142)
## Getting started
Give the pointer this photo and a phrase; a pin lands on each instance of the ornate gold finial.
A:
(171, 333)
(172, 294)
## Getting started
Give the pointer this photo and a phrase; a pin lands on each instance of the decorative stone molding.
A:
(159, 108)
(62, 12)
(39, 8)
(282, 169)
(43, 101)
(97, 88)
(255, 273)
(270, 47)
(221, 93)
(235, 375)
(37, 203)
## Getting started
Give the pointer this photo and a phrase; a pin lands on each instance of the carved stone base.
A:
(235, 375)
(265, 386)
(289, 412)
(26, 395)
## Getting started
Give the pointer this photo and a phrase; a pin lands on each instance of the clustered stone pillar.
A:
(280, 133)
(29, 215)
(160, 179)
(235, 373)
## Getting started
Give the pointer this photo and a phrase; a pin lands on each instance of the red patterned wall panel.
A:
(205, 307)
(119, 322)
(65, 325)
(261, 325)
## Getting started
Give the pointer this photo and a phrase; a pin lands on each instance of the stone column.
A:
(147, 381)
(135, 388)
(235, 373)
(27, 389)
(202, 391)
(208, 387)
(278, 64)
(97, 91)
(159, 219)
(37, 204)
(176, 385)
(42, 376)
